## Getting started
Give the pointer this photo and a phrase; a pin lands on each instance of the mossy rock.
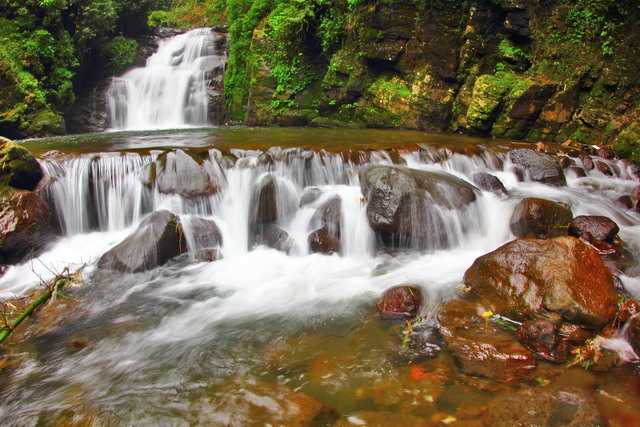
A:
(489, 93)
(18, 167)
(627, 144)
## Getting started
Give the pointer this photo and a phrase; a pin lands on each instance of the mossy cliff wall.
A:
(537, 70)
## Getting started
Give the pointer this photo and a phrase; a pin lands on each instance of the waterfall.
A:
(172, 90)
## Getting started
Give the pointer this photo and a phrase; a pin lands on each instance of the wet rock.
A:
(271, 202)
(566, 406)
(574, 334)
(481, 349)
(542, 337)
(205, 236)
(633, 333)
(18, 166)
(25, 225)
(327, 223)
(488, 182)
(587, 162)
(604, 168)
(540, 218)
(276, 238)
(158, 239)
(251, 402)
(309, 195)
(605, 153)
(578, 172)
(527, 278)
(400, 303)
(404, 205)
(566, 162)
(625, 201)
(178, 173)
(600, 228)
(539, 167)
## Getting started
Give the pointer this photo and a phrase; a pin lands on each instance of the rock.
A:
(633, 333)
(242, 402)
(158, 239)
(382, 419)
(400, 303)
(587, 162)
(540, 218)
(25, 225)
(625, 201)
(309, 195)
(605, 153)
(276, 238)
(539, 167)
(542, 338)
(178, 173)
(321, 241)
(404, 204)
(566, 406)
(481, 349)
(271, 202)
(529, 278)
(203, 237)
(579, 172)
(604, 168)
(327, 223)
(488, 182)
(599, 228)
(18, 167)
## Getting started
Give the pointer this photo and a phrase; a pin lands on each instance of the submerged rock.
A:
(527, 278)
(400, 303)
(540, 218)
(18, 166)
(542, 337)
(158, 239)
(309, 195)
(178, 173)
(405, 205)
(566, 406)
(481, 349)
(275, 237)
(599, 228)
(539, 167)
(25, 225)
(382, 419)
(488, 182)
(205, 236)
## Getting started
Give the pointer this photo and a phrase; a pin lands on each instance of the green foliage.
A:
(121, 53)
(628, 143)
(511, 52)
(596, 20)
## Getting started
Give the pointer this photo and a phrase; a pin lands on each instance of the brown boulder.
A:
(540, 218)
(633, 333)
(604, 168)
(527, 278)
(542, 337)
(488, 182)
(25, 225)
(400, 302)
(327, 223)
(599, 228)
(321, 241)
(539, 167)
(578, 172)
(625, 201)
(480, 348)
(587, 162)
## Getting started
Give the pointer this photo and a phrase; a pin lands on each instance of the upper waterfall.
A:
(172, 90)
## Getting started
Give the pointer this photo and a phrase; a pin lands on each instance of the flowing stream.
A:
(192, 342)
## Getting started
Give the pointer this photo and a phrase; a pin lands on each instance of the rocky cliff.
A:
(535, 70)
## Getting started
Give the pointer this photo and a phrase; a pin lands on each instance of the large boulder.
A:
(18, 167)
(275, 237)
(540, 218)
(203, 237)
(158, 239)
(529, 278)
(600, 228)
(550, 406)
(539, 167)
(479, 347)
(405, 205)
(26, 225)
(178, 173)
(400, 303)
(488, 182)
(327, 223)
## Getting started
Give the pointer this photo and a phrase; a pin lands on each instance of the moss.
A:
(18, 167)
(489, 93)
(510, 52)
(627, 144)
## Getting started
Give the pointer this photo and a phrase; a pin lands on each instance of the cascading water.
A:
(171, 91)
(170, 330)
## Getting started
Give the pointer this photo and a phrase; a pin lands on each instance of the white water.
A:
(170, 92)
(179, 309)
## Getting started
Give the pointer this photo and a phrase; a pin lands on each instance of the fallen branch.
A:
(58, 282)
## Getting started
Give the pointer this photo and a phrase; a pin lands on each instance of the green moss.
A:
(489, 93)
(627, 145)
(508, 51)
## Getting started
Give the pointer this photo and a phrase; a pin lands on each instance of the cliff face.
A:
(537, 70)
